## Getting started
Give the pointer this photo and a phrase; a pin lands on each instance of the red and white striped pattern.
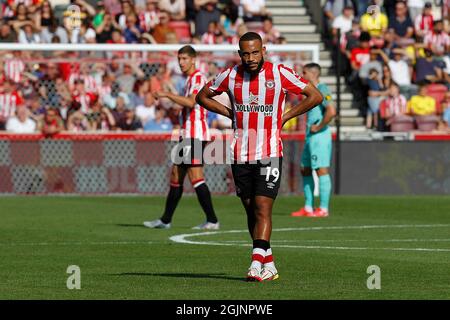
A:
(90, 85)
(9, 103)
(440, 40)
(25, 2)
(85, 99)
(258, 104)
(148, 20)
(208, 38)
(423, 23)
(396, 105)
(14, 69)
(194, 119)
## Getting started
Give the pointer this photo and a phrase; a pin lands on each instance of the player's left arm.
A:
(313, 98)
(187, 102)
(330, 113)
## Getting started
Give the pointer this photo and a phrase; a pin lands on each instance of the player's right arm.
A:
(210, 90)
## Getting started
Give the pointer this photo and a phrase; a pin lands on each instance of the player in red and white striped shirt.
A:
(187, 157)
(258, 90)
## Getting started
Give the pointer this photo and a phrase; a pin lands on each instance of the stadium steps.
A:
(291, 18)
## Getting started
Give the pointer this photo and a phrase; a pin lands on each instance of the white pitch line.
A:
(13, 244)
(346, 240)
(182, 238)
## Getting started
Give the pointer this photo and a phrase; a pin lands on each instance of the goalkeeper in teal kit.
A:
(317, 151)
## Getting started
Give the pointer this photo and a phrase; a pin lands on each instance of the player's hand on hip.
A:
(315, 128)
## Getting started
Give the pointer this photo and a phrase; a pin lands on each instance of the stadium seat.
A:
(427, 123)
(401, 124)
(182, 30)
(437, 91)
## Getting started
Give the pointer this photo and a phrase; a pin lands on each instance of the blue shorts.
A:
(317, 150)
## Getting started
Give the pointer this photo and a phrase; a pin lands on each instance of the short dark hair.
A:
(250, 36)
(188, 50)
(313, 65)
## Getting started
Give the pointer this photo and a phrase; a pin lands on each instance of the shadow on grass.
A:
(130, 225)
(184, 275)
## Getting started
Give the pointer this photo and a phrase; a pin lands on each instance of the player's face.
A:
(309, 75)
(186, 62)
(252, 55)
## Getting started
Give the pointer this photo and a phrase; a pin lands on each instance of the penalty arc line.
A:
(182, 238)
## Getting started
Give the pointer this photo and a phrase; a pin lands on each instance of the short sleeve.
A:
(291, 81)
(220, 83)
(326, 93)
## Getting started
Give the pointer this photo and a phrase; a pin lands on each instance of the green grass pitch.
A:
(407, 237)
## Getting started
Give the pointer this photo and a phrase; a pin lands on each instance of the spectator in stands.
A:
(28, 34)
(113, 7)
(21, 122)
(175, 8)
(132, 32)
(445, 105)
(208, 12)
(394, 106)
(54, 29)
(422, 104)
(149, 17)
(343, 22)
(254, 10)
(146, 111)
(7, 34)
(437, 40)
(99, 118)
(162, 29)
(105, 29)
(126, 81)
(21, 18)
(209, 37)
(376, 23)
(230, 21)
(332, 9)
(416, 6)
(268, 33)
(361, 54)
(77, 122)
(401, 71)
(129, 122)
(44, 15)
(52, 123)
(358, 57)
(160, 123)
(10, 98)
(402, 25)
(424, 22)
(120, 21)
(428, 70)
(375, 96)
(373, 63)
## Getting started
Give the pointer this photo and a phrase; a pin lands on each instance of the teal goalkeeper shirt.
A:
(316, 114)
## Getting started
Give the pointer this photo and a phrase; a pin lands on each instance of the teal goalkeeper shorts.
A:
(317, 150)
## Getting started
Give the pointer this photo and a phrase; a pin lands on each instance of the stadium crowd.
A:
(396, 61)
(79, 91)
(396, 57)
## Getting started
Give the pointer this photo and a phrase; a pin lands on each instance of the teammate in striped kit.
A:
(193, 139)
(317, 150)
(257, 90)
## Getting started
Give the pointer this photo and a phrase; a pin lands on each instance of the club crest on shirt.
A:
(270, 84)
